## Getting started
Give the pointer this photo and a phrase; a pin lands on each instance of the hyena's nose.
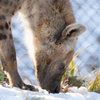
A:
(57, 89)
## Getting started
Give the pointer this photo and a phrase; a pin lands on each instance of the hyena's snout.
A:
(55, 88)
(52, 86)
(49, 78)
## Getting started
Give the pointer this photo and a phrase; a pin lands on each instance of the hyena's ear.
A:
(72, 31)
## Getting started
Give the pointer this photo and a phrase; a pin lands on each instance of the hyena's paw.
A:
(16, 81)
(23, 86)
(19, 83)
(29, 87)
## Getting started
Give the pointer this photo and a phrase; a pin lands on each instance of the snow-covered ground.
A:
(74, 93)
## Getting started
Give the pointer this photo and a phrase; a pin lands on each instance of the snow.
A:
(74, 93)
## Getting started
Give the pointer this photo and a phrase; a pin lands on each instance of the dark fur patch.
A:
(10, 36)
(9, 23)
(7, 10)
(2, 36)
(11, 3)
(2, 17)
(19, 7)
(6, 25)
(6, 2)
(0, 0)
(1, 27)
(13, 56)
(12, 13)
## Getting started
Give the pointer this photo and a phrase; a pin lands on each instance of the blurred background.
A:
(86, 12)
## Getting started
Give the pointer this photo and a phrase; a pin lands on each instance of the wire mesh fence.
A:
(86, 12)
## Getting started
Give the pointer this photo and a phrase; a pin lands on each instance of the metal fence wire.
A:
(86, 12)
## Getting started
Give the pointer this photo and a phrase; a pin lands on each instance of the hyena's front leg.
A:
(8, 55)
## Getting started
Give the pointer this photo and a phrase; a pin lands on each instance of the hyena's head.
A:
(55, 34)
(54, 53)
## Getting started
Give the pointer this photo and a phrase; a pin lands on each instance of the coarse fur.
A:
(50, 35)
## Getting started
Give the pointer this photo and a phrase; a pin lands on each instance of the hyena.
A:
(50, 34)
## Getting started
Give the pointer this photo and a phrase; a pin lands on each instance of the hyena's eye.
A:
(61, 66)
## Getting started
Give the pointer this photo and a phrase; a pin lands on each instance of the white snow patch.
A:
(81, 90)
(73, 94)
